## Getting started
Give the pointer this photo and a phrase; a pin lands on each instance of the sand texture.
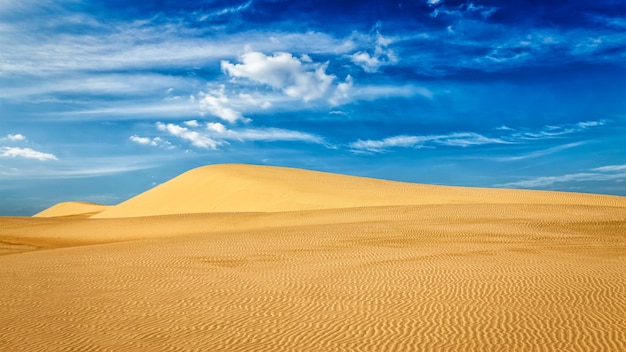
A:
(72, 209)
(246, 258)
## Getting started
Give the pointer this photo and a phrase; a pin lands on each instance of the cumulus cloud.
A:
(219, 105)
(13, 152)
(16, 137)
(143, 140)
(195, 138)
(153, 142)
(298, 78)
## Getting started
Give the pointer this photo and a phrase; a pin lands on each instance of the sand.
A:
(280, 259)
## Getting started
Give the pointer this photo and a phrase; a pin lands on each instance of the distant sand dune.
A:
(72, 209)
(458, 269)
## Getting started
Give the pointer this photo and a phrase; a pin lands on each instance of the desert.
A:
(235, 257)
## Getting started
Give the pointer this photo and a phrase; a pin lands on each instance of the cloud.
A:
(462, 139)
(16, 137)
(13, 152)
(218, 104)
(153, 142)
(271, 134)
(297, 78)
(467, 139)
(554, 131)
(540, 153)
(603, 173)
(195, 138)
(225, 11)
(218, 135)
(143, 140)
(192, 123)
(370, 61)
(610, 168)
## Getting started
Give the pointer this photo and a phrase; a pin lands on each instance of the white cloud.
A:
(381, 55)
(143, 140)
(342, 92)
(192, 123)
(16, 137)
(466, 139)
(602, 173)
(275, 134)
(216, 127)
(556, 131)
(610, 168)
(196, 139)
(462, 139)
(153, 142)
(282, 71)
(545, 181)
(218, 104)
(225, 11)
(219, 131)
(12, 152)
(215, 134)
(539, 153)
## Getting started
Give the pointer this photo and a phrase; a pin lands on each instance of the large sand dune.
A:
(245, 188)
(243, 258)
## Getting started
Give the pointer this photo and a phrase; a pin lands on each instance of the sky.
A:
(102, 100)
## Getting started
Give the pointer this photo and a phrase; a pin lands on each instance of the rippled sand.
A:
(514, 271)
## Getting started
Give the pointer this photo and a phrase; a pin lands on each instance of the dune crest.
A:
(250, 188)
(72, 209)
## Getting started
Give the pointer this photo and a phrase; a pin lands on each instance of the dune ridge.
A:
(72, 209)
(455, 269)
(248, 188)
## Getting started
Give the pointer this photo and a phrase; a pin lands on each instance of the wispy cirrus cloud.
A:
(603, 173)
(539, 153)
(466, 139)
(212, 135)
(460, 139)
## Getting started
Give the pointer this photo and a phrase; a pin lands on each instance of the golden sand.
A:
(247, 258)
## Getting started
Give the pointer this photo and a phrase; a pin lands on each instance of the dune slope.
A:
(247, 188)
(72, 209)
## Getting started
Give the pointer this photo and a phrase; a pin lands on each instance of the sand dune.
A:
(452, 269)
(246, 188)
(72, 209)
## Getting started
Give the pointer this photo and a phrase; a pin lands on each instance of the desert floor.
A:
(497, 274)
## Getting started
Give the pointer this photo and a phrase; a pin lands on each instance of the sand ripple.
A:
(427, 278)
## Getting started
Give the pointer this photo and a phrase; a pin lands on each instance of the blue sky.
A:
(102, 100)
